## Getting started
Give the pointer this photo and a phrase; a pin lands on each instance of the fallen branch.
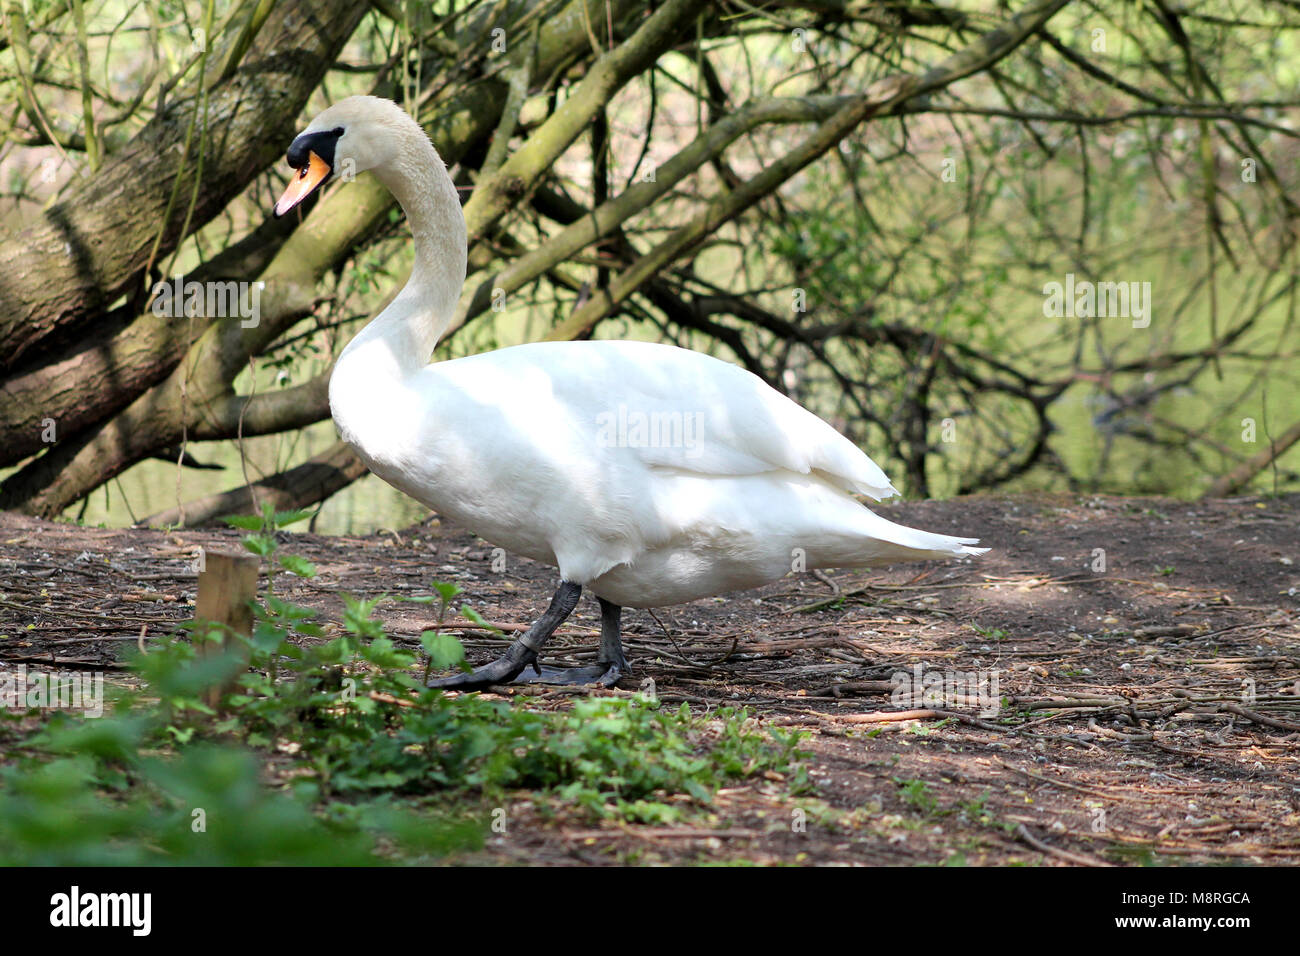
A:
(1260, 718)
(313, 481)
(1066, 855)
(1240, 476)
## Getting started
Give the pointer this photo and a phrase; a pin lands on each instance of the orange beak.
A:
(303, 184)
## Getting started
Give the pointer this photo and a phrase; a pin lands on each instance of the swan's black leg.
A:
(611, 644)
(610, 663)
(523, 651)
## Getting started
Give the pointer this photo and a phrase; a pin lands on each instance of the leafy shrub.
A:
(334, 752)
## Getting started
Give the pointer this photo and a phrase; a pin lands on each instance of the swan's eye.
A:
(302, 173)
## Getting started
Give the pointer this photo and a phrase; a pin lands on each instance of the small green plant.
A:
(373, 726)
(977, 810)
(332, 750)
(205, 806)
(443, 651)
(263, 543)
(1141, 854)
(990, 633)
(916, 794)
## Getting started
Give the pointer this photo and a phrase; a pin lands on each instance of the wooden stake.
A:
(227, 587)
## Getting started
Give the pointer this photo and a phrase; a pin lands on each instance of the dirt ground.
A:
(1147, 655)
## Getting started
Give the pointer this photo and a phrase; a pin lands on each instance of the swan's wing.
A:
(576, 437)
(684, 410)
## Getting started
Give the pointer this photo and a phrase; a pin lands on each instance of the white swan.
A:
(650, 474)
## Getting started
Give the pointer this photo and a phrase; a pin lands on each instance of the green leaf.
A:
(283, 518)
(470, 614)
(447, 591)
(267, 638)
(259, 544)
(358, 616)
(298, 565)
(245, 522)
(383, 653)
(444, 650)
(294, 612)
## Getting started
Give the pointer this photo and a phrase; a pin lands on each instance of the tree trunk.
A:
(86, 251)
(1240, 476)
(155, 418)
(311, 482)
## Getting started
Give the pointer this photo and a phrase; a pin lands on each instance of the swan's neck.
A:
(400, 340)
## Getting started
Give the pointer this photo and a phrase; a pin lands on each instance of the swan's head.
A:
(354, 135)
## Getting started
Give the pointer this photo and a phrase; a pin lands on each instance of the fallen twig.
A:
(1066, 855)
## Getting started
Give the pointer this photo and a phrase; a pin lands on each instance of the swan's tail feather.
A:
(890, 542)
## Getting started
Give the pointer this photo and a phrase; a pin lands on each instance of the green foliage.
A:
(206, 806)
(990, 633)
(365, 724)
(101, 792)
(916, 794)
(262, 542)
(332, 751)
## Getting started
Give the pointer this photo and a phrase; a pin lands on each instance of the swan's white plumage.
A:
(535, 448)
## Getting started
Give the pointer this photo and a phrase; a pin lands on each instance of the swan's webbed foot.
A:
(613, 674)
(503, 670)
(600, 674)
(610, 664)
(511, 667)
(522, 652)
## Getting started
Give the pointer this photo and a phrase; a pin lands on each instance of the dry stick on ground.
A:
(1030, 582)
(663, 833)
(890, 716)
(1260, 718)
(1066, 855)
(1099, 793)
(854, 687)
(81, 663)
(1070, 703)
